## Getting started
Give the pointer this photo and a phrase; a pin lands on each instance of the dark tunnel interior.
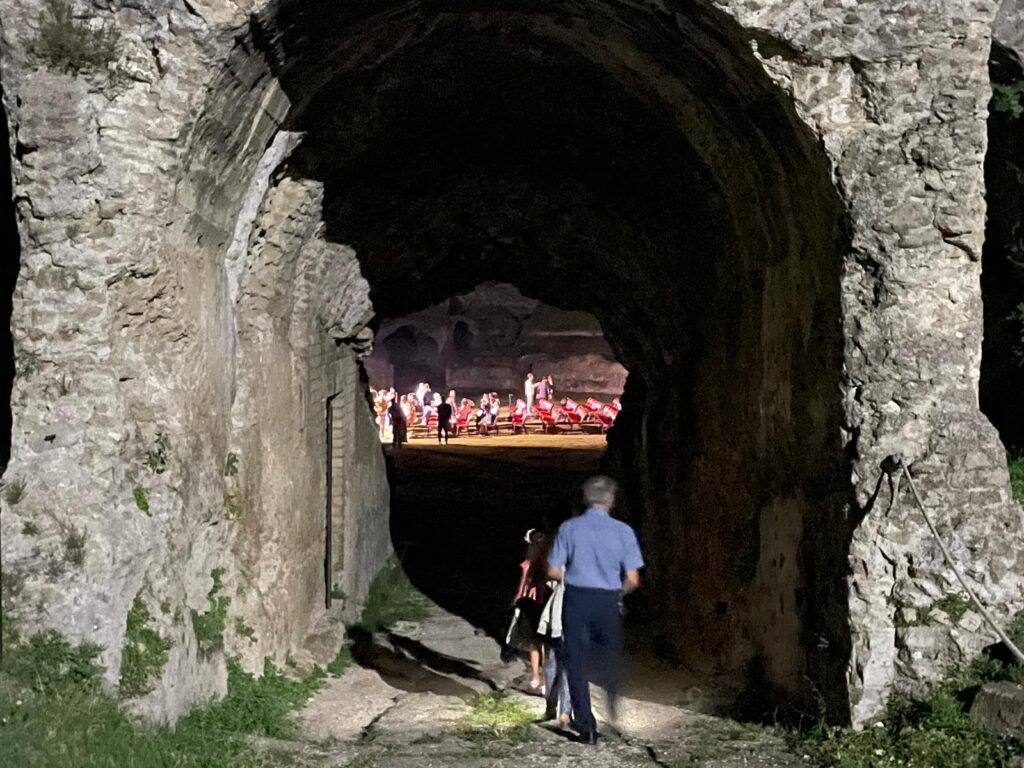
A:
(643, 169)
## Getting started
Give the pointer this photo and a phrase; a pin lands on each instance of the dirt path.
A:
(422, 699)
(416, 709)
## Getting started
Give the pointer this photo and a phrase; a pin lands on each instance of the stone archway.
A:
(757, 210)
(414, 356)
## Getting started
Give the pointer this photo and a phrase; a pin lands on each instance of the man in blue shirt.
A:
(599, 560)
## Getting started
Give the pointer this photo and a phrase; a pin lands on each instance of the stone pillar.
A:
(899, 99)
(138, 180)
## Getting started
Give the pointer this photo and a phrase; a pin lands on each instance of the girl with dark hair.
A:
(530, 599)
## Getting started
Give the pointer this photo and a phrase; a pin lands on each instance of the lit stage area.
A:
(506, 364)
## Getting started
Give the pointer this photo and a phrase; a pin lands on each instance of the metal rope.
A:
(949, 561)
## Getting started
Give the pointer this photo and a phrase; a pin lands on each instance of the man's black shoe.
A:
(588, 737)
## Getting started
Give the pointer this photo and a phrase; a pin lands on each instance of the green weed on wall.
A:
(141, 497)
(144, 654)
(1016, 465)
(209, 625)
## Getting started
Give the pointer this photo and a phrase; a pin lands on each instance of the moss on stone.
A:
(953, 605)
(144, 654)
(496, 716)
(209, 625)
(244, 630)
(141, 498)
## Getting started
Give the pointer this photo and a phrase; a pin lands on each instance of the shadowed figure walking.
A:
(444, 421)
(599, 560)
(398, 423)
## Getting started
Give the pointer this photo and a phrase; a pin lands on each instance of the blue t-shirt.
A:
(596, 550)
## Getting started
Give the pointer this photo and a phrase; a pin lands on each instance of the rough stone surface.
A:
(346, 706)
(489, 339)
(818, 164)
(999, 708)
(1008, 28)
(126, 331)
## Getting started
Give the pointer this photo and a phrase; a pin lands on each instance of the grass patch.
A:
(261, 706)
(47, 663)
(342, 661)
(392, 598)
(496, 716)
(1006, 99)
(954, 605)
(53, 712)
(209, 625)
(144, 654)
(1016, 465)
(933, 732)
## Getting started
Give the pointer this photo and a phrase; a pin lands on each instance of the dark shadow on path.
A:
(407, 672)
(458, 516)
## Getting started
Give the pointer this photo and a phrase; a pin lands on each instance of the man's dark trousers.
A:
(592, 637)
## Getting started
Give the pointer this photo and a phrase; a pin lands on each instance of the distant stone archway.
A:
(750, 206)
(462, 339)
(414, 356)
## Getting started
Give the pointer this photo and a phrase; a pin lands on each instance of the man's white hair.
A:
(600, 489)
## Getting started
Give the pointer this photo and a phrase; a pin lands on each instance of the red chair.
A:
(573, 411)
(607, 416)
(593, 405)
(519, 416)
(616, 404)
(462, 417)
(547, 412)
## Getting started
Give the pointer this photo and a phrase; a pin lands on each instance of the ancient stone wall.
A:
(293, 290)
(361, 538)
(902, 115)
(490, 338)
(136, 434)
